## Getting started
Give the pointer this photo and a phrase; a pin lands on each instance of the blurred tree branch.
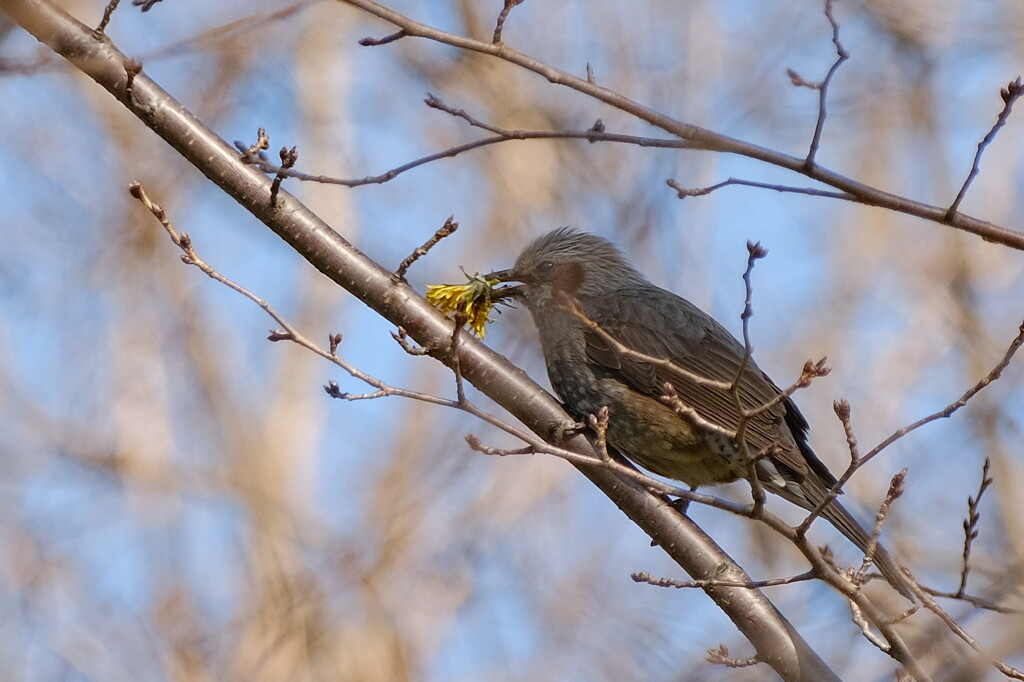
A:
(701, 138)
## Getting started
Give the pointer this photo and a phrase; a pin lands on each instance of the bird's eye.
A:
(545, 268)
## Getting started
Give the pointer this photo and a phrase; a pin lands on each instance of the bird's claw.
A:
(680, 504)
(563, 430)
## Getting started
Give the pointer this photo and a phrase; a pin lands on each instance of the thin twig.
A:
(335, 391)
(720, 656)
(445, 230)
(387, 176)
(108, 13)
(671, 398)
(857, 614)
(1010, 94)
(980, 602)
(971, 525)
(289, 333)
(476, 444)
(373, 42)
(841, 56)
(288, 159)
(254, 152)
(502, 16)
(754, 253)
(683, 192)
(894, 492)
(644, 577)
(401, 336)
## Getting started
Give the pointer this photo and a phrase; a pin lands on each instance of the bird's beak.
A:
(504, 276)
(501, 276)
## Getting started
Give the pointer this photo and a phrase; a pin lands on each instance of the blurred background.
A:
(181, 501)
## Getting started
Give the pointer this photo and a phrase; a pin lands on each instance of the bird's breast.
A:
(641, 427)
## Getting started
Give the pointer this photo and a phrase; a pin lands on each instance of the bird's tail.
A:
(813, 491)
(837, 515)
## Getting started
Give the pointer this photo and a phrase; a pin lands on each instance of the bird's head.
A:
(566, 261)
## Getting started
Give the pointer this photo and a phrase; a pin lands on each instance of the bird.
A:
(663, 369)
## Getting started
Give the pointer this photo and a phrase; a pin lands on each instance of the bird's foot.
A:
(680, 504)
(561, 431)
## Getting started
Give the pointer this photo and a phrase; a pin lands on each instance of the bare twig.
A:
(894, 492)
(973, 600)
(373, 42)
(800, 82)
(335, 391)
(288, 159)
(971, 525)
(402, 338)
(683, 192)
(857, 614)
(108, 13)
(289, 333)
(720, 656)
(754, 253)
(475, 444)
(1010, 94)
(445, 230)
(842, 410)
(502, 16)
(841, 56)
(644, 577)
(254, 152)
(387, 176)
(671, 398)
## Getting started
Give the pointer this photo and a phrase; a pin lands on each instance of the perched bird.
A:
(613, 339)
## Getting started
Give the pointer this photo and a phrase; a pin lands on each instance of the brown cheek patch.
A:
(568, 278)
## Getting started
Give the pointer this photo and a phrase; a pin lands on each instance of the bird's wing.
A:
(660, 325)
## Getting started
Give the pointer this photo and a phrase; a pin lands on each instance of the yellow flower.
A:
(470, 301)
